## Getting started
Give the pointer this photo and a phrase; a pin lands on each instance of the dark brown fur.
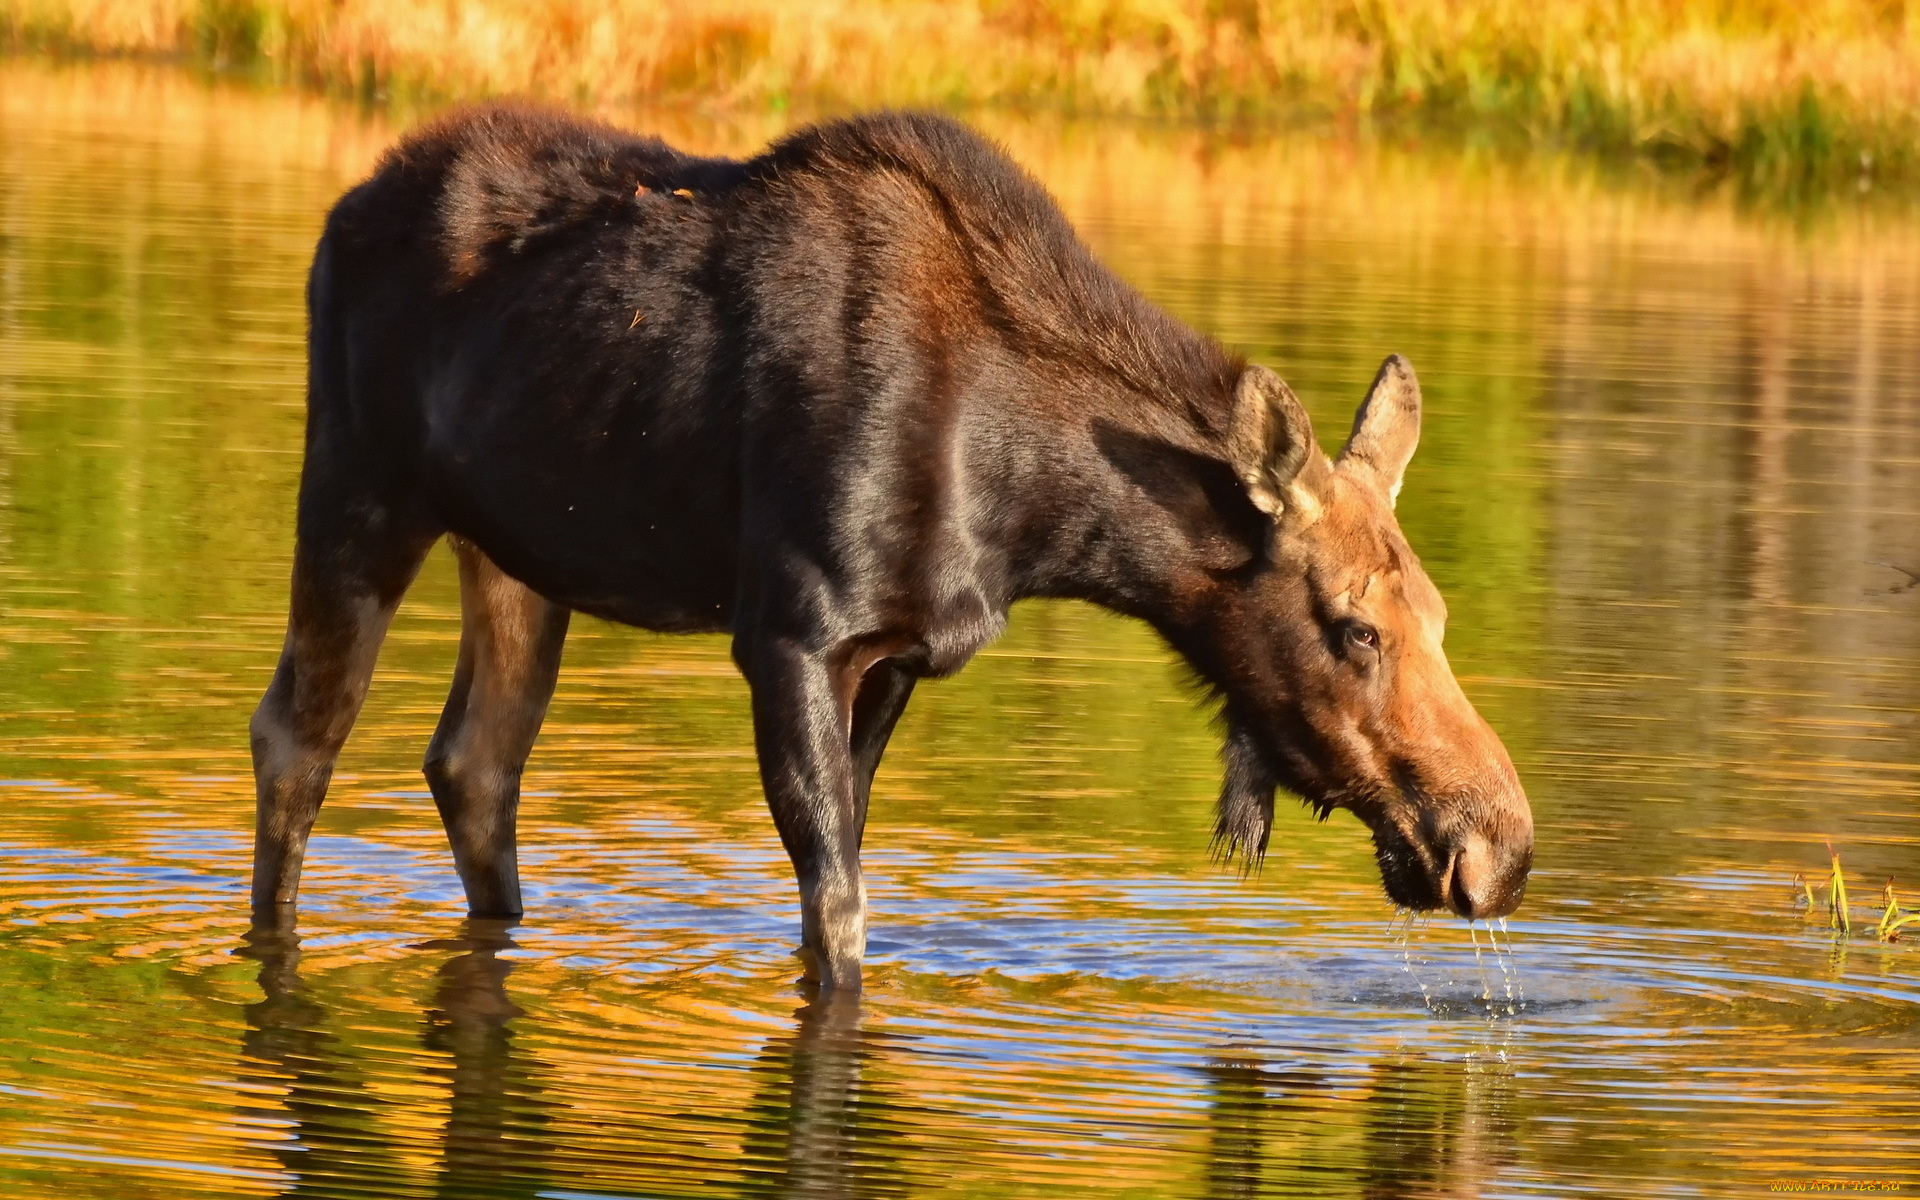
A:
(848, 401)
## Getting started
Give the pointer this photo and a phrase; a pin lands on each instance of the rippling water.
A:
(1669, 446)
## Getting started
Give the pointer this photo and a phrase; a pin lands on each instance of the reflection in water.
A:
(334, 1145)
(1236, 1146)
(826, 1118)
(816, 1127)
(338, 1144)
(821, 1127)
(1437, 1128)
(1427, 1127)
(496, 1124)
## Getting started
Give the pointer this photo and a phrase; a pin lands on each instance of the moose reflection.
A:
(822, 1127)
(495, 1143)
(1406, 1128)
(835, 1110)
(814, 1127)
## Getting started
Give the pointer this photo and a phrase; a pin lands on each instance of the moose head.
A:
(1327, 651)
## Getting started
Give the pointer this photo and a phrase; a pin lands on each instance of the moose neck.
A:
(1143, 514)
(1108, 457)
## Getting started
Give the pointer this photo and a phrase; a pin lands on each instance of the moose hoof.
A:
(815, 972)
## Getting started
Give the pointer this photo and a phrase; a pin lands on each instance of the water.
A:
(1667, 441)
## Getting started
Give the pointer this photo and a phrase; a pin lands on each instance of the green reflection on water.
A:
(1664, 447)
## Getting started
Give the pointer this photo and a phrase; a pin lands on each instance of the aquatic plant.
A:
(1839, 915)
(1892, 920)
(1764, 88)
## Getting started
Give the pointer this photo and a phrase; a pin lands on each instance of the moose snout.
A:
(1486, 877)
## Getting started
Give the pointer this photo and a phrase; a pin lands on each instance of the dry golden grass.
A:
(1818, 87)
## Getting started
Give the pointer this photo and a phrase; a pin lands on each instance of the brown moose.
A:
(847, 401)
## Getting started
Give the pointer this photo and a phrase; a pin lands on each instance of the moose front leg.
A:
(802, 714)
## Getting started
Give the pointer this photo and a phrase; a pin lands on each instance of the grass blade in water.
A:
(1837, 915)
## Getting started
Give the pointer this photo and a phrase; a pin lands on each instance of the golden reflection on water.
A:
(1668, 442)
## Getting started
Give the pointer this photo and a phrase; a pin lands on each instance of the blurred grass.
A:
(1769, 89)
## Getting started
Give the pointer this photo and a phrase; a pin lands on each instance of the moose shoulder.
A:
(848, 401)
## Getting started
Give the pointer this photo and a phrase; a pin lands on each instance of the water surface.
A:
(1669, 445)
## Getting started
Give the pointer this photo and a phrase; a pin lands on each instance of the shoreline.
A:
(1778, 99)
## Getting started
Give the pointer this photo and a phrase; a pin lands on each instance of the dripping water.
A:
(1404, 936)
(1480, 964)
(1516, 987)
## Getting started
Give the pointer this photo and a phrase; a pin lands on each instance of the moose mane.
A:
(506, 175)
(1051, 297)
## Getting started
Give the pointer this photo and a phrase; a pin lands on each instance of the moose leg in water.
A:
(802, 724)
(346, 584)
(510, 642)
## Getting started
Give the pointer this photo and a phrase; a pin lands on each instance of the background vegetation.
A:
(1777, 89)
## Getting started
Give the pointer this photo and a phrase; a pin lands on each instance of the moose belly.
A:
(614, 517)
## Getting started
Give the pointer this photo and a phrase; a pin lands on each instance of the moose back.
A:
(847, 401)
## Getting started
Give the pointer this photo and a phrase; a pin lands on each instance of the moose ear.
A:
(1270, 445)
(1387, 427)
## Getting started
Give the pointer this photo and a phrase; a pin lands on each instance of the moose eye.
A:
(1362, 637)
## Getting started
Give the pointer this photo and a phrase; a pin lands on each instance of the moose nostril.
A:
(1471, 880)
(1487, 879)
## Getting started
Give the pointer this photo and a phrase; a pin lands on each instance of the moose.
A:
(846, 401)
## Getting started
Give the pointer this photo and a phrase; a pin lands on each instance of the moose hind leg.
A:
(345, 590)
(510, 642)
